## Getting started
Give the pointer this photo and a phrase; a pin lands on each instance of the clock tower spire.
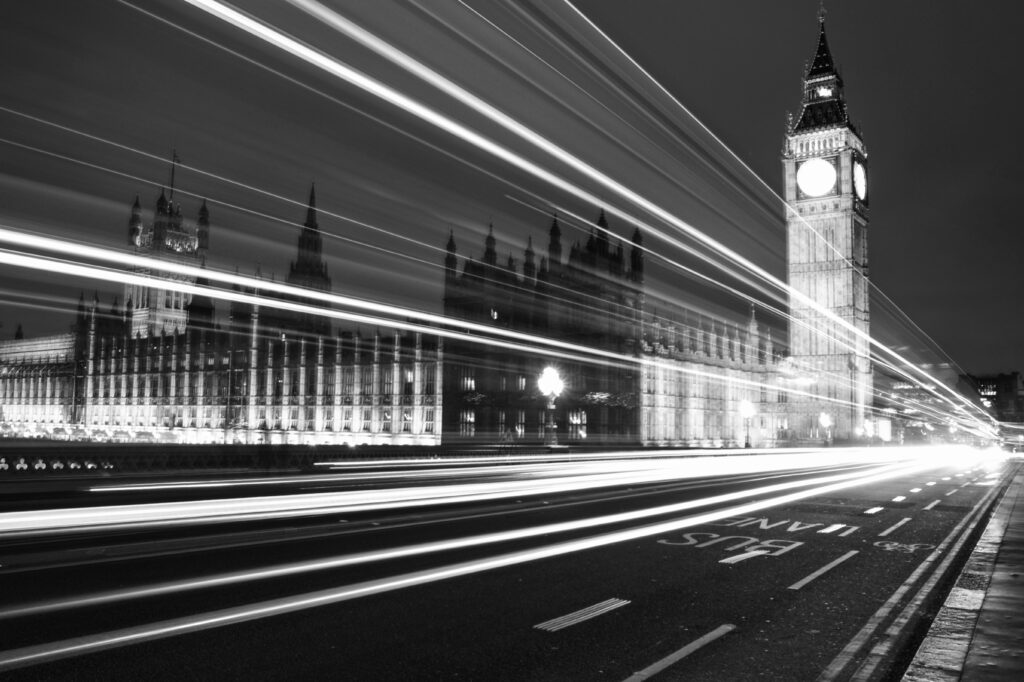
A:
(825, 171)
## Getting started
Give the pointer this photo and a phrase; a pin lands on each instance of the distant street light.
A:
(747, 412)
(550, 385)
(826, 423)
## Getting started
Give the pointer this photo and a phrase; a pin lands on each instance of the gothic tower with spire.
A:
(825, 171)
(156, 308)
(309, 271)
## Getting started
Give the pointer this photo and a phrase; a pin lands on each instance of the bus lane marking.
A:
(821, 571)
(893, 527)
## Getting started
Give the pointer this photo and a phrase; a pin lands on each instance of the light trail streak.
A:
(595, 474)
(390, 95)
(92, 643)
(536, 344)
(384, 46)
(420, 549)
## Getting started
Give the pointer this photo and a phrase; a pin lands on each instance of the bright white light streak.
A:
(596, 474)
(135, 635)
(455, 91)
(793, 211)
(536, 343)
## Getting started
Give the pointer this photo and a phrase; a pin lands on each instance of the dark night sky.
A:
(932, 86)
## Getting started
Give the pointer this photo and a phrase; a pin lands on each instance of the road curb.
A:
(943, 652)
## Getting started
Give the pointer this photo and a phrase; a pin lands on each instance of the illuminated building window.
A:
(346, 419)
(386, 421)
(407, 420)
(429, 378)
(521, 420)
(367, 419)
(468, 381)
(407, 380)
(467, 423)
(521, 386)
(428, 420)
(386, 377)
(577, 424)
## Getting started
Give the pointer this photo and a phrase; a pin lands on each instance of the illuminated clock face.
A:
(860, 181)
(816, 177)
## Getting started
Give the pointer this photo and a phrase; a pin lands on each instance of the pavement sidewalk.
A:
(978, 635)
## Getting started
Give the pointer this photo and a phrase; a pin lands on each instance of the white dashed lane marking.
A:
(821, 571)
(931, 505)
(899, 498)
(656, 668)
(893, 527)
(915, 490)
(581, 615)
(746, 555)
(873, 510)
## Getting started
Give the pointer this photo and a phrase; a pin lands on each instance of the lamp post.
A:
(826, 423)
(550, 385)
(747, 411)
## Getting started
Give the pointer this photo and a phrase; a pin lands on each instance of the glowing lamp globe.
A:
(549, 383)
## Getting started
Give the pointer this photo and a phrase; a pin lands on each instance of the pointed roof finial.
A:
(311, 209)
(174, 162)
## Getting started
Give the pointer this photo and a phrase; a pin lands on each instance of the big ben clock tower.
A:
(826, 186)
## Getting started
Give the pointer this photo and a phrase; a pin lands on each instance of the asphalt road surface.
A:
(820, 565)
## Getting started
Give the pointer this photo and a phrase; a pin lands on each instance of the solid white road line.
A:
(932, 505)
(656, 668)
(579, 616)
(821, 571)
(746, 555)
(873, 510)
(894, 527)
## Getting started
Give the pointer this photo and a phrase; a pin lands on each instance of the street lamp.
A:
(826, 423)
(747, 411)
(551, 385)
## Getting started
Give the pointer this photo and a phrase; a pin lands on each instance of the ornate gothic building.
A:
(672, 377)
(162, 369)
(665, 373)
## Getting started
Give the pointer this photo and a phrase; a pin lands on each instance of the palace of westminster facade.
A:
(160, 367)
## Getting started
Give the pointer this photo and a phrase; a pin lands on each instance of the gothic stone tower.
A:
(155, 309)
(825, 167)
